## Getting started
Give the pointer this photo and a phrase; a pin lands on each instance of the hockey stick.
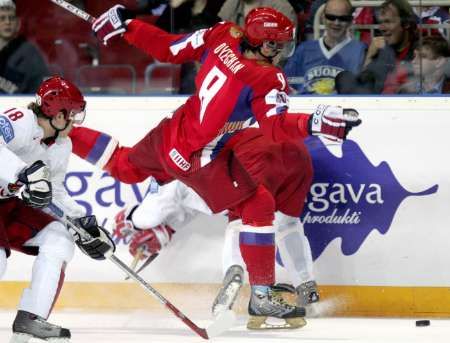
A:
(222, 322)
(74, 10)
(135, 261)
(144, 265)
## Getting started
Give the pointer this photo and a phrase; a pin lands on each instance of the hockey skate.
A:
(28, 326)
(307, 293)
(270, 303)
(231, 285)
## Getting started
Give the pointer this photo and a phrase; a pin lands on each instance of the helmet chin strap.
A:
(245, 45)
(269, 58)
(57, 131)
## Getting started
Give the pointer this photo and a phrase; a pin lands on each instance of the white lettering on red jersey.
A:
(233, 92)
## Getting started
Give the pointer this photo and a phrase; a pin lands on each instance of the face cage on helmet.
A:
(286, 49)
(77, 117)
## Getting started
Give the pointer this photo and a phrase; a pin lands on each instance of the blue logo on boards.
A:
(349, 198)
(6, 129)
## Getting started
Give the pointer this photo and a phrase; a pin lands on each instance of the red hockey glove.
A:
(151, 241)
(111, 23)
(333, 123)
(123, 225)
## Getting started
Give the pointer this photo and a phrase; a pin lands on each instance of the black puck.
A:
(422, 322)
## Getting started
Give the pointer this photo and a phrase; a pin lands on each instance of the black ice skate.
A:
(307, 293)
(27, 326)
(270, 303)
(231, 285)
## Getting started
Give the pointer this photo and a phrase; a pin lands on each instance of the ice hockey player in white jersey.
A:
(35, 150)
(172, 206)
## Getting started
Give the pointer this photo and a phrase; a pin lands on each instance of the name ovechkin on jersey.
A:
(228, 58)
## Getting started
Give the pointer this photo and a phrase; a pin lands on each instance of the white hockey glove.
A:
(99, 245)
(38, 188)
(332, 122)
(112, 23)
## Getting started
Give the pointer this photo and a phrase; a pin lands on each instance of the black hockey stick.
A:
(222, 322)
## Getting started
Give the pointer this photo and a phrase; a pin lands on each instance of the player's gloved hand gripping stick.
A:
(222, 322)
(108, 25)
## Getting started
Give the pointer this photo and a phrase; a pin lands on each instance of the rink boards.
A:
(377, 217)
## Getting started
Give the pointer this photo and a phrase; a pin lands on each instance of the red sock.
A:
(257, 246)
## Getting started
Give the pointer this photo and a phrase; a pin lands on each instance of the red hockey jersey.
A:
(233, 92)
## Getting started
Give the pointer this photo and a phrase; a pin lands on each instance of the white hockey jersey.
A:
(20, 146)
(176, 204)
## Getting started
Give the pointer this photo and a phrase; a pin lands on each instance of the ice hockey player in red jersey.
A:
(150, 225)
(284, 168)
(237, 87)
(35, 151)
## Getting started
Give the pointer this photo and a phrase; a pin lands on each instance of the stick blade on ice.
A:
(223, 322)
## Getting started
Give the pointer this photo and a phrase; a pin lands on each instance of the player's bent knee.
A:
(3, 260)
(57, 242)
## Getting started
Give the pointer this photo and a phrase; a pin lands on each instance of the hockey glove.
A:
(99, 244)
(38, 188)
(333, 123)
(150, 241)
(112, 23)
(123, 225)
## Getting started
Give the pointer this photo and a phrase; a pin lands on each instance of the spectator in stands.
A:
(315, 64)
(22, 67)
(361, 16)
(236, 10)
(429, 63)
(388, 56)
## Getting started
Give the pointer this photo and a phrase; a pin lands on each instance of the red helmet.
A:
(59, 95)
(266, 24)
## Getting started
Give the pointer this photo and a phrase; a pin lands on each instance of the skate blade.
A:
(20, 338)
(230, 294)
(58, 340)
(25, 338)
(259, 323)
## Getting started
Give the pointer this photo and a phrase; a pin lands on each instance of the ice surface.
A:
(148, 327)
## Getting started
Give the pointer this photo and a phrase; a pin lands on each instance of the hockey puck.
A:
(422, 322)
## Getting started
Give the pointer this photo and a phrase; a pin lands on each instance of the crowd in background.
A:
(390, 48)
